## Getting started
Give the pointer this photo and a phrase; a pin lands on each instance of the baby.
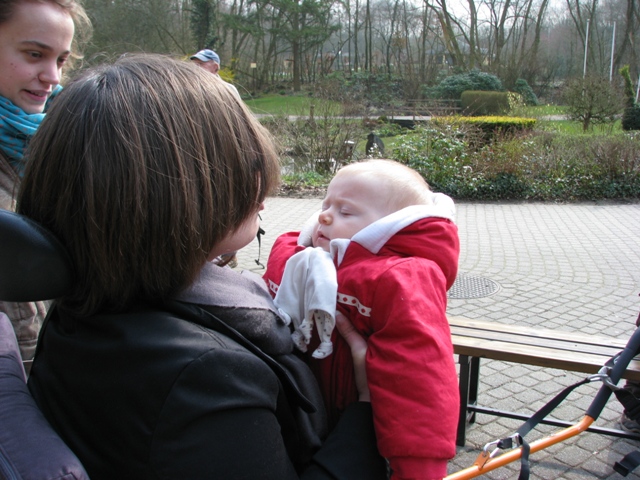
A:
(384, 251)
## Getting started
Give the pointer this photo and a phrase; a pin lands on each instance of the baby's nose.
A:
(324, 218)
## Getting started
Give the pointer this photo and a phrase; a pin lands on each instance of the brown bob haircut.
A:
(140, 168)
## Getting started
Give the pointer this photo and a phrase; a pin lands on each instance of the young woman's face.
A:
(244, 235)
(34, 45)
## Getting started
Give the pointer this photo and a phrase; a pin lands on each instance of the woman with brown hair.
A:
(36, 43)
(159, 363)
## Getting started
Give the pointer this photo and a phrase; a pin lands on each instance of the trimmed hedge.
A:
(490, 125)
(481, 103)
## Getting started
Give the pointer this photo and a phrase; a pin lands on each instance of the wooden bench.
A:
(475, 339)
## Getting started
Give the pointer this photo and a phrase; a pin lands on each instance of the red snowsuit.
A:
(397, 299)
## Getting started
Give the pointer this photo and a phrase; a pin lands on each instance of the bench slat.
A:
(604, 347)
(573, 349)
(539, 356)
(541, 347)
(547, 334)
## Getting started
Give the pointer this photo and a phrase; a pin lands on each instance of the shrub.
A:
(227, 74)
(322, 144)
(525, 166)
(628, 86)
(516, 101)
(453, 86)
(522, 87)
(592, 100)
(487, 127)
(388, 129)
(631, 118)
(437, 153)
(631, 113)
(479, 103)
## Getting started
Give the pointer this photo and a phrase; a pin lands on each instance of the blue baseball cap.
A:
(206, 55)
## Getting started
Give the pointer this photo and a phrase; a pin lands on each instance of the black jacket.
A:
(190, 389)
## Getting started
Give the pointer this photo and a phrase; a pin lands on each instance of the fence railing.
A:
(425, 108)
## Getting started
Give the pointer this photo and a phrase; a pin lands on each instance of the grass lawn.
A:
(539, 111)
(292, 105)
(571, 127)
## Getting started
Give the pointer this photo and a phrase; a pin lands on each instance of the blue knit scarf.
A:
(16, 129)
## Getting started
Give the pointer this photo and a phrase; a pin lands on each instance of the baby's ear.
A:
(306, 232)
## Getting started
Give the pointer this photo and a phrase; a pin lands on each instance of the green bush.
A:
(592, 100)
(388, 129)
(489, 127)
(479, 103)
(630, 99)
(438, 154)
(631, 118)
(321, 145)
(522, 87)
(532, 166)
(453, 86)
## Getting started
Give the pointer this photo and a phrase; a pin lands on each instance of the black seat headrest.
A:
(33, 263)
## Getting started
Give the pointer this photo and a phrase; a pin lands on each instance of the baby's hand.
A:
(358, 346)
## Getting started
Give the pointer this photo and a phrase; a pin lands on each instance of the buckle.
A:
(507, 443)
(603, 376)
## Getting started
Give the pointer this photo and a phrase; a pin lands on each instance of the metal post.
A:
(613, 45)
(586, 48)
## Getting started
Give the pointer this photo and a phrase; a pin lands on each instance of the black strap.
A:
(259, 234)
(628, 464)
(530, 424)
(610, 374)
(537, 417)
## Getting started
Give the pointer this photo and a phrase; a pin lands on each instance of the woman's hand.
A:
(358, 347)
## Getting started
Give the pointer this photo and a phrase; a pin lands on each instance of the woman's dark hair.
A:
(140, 168)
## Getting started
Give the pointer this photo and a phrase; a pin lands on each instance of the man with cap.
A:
(210, 61)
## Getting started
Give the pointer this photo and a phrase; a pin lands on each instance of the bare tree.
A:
(135, 25)
(451, 31)
(592, 100)
(630, 32)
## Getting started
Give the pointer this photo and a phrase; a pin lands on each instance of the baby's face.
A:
(315, 236)
(351, 204)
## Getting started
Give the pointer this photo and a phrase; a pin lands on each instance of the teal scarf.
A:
(17, 128)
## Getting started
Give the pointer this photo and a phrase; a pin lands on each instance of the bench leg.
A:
(473, 385)
(468, 388)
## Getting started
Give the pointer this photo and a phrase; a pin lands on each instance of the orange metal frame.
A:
(484, 463)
